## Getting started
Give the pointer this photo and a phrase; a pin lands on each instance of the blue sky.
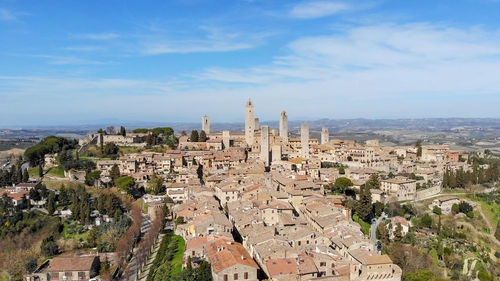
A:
(81, 62)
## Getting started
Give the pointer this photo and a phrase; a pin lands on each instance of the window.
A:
(81, 275)
(236, 276)
(225, 277)
(246, 275)
(322, 263)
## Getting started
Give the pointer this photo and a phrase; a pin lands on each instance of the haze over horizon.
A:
(75, 62)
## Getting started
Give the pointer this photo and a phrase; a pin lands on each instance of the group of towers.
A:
(252, 125)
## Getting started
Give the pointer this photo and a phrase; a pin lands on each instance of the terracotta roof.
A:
(223, 254)
(59, 264)
(277, 267)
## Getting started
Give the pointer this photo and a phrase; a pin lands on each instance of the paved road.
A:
(373, 228)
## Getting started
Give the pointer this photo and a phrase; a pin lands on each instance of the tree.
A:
(123, 132)
(497, 232)
(26, 175)
(49, 247)
(426, 221)
(203, 272)
(179, 220)
(421, 275)
(40, 170)
(378, 208)
(155, 185)
(30, 264)
(194, 136)
(343, 183)
(114, 173)
(203, 136)
(125, 183)
(419, 148)
(341, 170)
(373, 182)
(465, 207)
(365, 204)
(398, 233)
(383, 233)
(111, 148)
(51, 203)
(436, 210)
(455, 209)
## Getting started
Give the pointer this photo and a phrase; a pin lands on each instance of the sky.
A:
(82, 62)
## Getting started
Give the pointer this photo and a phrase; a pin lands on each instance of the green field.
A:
(176, 262)
(56, 171)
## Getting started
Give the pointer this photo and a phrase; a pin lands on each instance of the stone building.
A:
(205, 124)
(325, 136)
(284, 126)
(304, 140)
(249, 123)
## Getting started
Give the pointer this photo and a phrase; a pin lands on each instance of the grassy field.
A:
(56, 171)
(70, 231)
(364, 225)
(177, 259)
(33, 172)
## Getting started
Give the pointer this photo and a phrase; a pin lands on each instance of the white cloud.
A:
(213, 39)
(318, 9)
(97, 36)
(6, 15)
(379, 66)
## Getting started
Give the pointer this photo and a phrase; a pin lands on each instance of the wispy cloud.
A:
(83, 48)
(67, 60)
(318, 9)
(7, 15)
(213, 39)
(97, 36)
(385, 61)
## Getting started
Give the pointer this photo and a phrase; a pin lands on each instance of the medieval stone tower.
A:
(284, 126)
(304, 140)
(264, 145)
(249, 123)
(205, 124)
(325, 136)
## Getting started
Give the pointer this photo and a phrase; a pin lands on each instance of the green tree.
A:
(436, 210)
(30, 264)
(398, 233)
(455, 209)
(194, 136)
(40, 170)
(155, 184)
(426, 221)
(114, 173)
(26, 175)
(179, 220)
(419, 148)
(421, 275)
(125, 183)
(49, 247)
(203, 136)
(373, 182)
(51, 203)
(203, 272)
(365, 204)
(343, 183)
(378, 208)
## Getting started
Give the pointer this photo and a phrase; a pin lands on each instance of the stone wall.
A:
(422, 194)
